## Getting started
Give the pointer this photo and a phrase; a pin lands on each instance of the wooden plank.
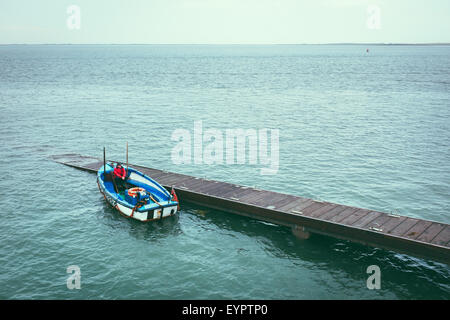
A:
(84, 161)
(256, 194)
(333, 212)
(200, 183)
(223, 189)
(443, 237)
(224, 185)
(194, 184)
(287, 207)
(179, 179)
(208, 185)
(201, 187)
(355, 216)
(219, 188)
(240, 193)
(191, 183)
(372, 215)
(94, 165)
(209, 188)
(280, 197)
(271, 199)
(174, 180)
(313, 207)
(403, 227)
(299, 207)
(237, 194)
(343, 214)
(261, 201)
(417, 229)
(206, 188)
(184, 183)
(378, 222)
(169, 179)
(392, 223)
(285, 201)
(320, 211)
(431, 232)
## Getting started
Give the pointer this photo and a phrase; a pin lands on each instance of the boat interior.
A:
(121, 188)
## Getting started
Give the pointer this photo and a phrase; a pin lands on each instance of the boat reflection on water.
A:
(152, 231)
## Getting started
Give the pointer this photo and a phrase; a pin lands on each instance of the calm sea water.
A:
(365, 129)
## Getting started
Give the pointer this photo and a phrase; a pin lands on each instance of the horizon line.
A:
(249, 44)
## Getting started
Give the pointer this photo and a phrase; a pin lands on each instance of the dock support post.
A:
(300, 232)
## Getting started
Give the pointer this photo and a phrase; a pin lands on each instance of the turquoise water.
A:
(368, 130)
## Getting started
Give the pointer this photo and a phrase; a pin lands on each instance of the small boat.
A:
(139, 197)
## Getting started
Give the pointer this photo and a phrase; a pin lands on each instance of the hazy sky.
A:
(226, 21)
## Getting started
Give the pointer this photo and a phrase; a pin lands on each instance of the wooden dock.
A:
(422, 238)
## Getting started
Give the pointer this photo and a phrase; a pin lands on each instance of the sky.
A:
(224, 21)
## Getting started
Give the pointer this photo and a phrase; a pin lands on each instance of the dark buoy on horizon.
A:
(367, 50)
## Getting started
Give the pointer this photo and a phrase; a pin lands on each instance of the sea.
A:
(359, 125)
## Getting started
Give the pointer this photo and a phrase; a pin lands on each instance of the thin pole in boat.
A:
(127, 159)
(104, 163)
(104, 170)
